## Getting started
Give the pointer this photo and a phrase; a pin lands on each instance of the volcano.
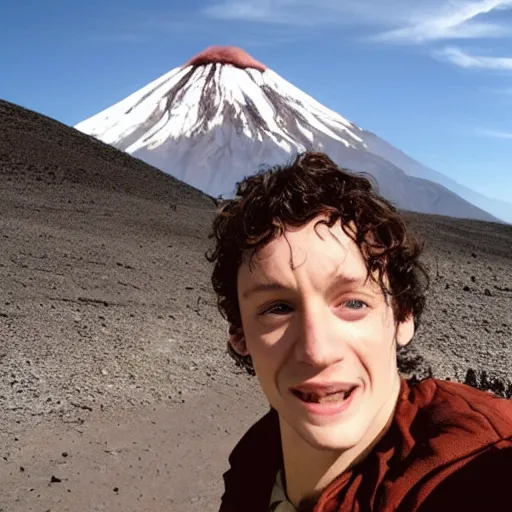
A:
(223, 115)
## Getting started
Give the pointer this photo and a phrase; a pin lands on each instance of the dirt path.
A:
(144, 459)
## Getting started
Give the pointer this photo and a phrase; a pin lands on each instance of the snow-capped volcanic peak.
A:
(219, 87)
(223, 115)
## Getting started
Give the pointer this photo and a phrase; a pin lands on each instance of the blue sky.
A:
(433, 77)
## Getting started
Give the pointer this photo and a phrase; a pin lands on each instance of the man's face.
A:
(321, 336)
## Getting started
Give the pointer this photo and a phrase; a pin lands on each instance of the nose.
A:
(318, 342)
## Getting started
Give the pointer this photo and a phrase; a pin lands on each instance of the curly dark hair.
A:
(296, 193)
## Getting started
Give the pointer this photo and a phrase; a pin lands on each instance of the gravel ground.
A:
(111, 347)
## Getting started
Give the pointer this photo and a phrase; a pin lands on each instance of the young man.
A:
(319, 279)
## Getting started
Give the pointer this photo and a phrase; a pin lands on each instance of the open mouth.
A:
(323, 397)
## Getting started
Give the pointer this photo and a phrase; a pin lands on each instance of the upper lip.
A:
(323, 388)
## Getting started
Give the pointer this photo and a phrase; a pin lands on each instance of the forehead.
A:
(313, 247)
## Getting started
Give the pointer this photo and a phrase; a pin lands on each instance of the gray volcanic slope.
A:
(106, 310)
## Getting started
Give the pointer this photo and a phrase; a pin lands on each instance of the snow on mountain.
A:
(223, 115)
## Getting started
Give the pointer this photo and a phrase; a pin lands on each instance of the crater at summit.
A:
(226, 55)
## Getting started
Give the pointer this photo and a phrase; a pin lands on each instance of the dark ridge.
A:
(286, 117)
(415, 368)
(173, 94)
(207, 102)
(176, 93)
(480, 379)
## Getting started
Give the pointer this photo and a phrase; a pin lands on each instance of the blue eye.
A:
(356, 303)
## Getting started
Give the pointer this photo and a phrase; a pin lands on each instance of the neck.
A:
(308, 469)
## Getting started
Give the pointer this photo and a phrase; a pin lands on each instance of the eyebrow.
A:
(273, 286)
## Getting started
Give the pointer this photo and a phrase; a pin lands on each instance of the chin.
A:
(332, 437)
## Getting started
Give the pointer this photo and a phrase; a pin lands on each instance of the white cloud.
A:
(495, 134)
(279, 12)
(452, 20)
(403, 21)
(257, 11)
(466, 60)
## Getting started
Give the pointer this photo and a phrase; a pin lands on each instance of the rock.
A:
(470, 379)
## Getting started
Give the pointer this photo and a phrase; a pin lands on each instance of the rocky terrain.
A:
(115, 387)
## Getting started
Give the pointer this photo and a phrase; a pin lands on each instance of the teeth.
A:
(332, 397)
(335, 397)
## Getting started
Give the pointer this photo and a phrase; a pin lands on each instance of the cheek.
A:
(270, 348)
(375, 331)
(373, 344)
(268, 359)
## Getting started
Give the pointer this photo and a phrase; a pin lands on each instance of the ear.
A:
(405, 331)
(237, 340)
